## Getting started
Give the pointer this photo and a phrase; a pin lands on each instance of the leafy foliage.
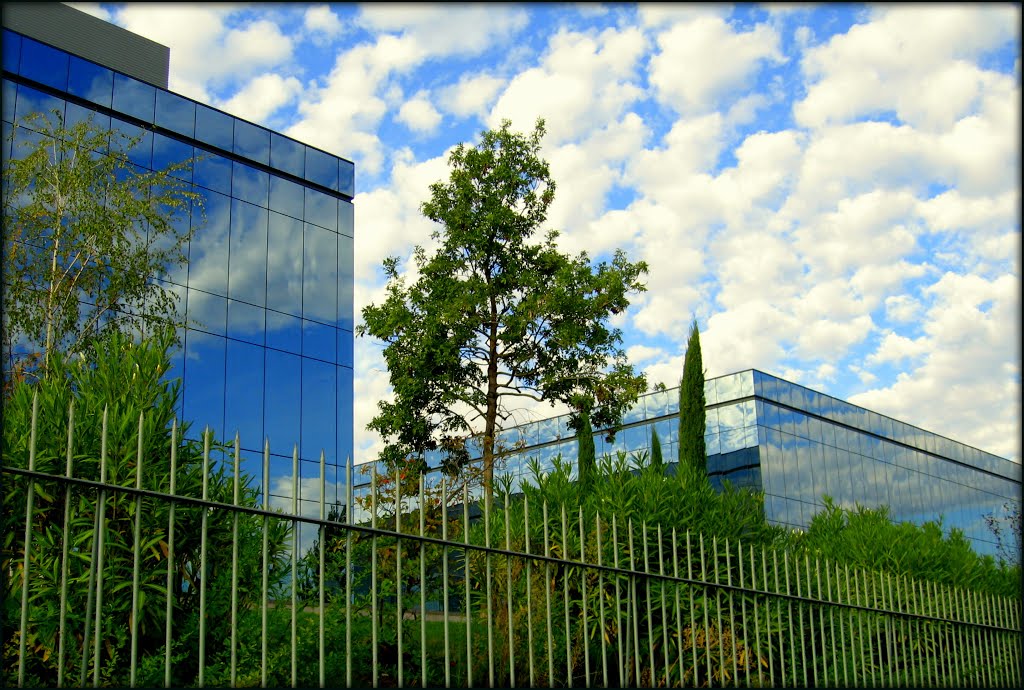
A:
(85, 233)
(495, 315)
(128, 380)
(692, 416)
(586, 460)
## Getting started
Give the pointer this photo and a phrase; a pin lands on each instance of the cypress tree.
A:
(656, 458)
(691, 406)
(585, 453)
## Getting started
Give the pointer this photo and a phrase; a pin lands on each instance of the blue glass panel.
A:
(346, 275)
(287, 154)
(787, 420)
(319, 390)
(319, 341)
(712, 443)
(321, 168)
(243, 409)
(168, 152)
(209, 251)
(250, 184)
(176, 113)
(347, 177)
(346, 355)
(286, 197)
(252, 142)
(247, 274)
(180, 223)
(33, 101)
(214, 127)
(90, 81)
(730, 417)
(212, 171)
(321, 209)
(246, 322)
(12, 51)
(44, 64)
(209, 311)
(319, 277)
(345, 407)
(10, 94)
(141, 153)
(283, 400)
(284, 332)
(135, 98)
(203, 389)
(771, 415)
(828, 432)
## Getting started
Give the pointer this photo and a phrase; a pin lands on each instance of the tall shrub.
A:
(692, 420)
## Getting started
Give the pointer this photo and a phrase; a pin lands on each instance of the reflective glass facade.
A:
(797, 445)
(269, 277)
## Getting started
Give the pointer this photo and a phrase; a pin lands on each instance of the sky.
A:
(833, 192)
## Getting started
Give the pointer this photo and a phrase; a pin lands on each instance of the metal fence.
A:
(150, 571)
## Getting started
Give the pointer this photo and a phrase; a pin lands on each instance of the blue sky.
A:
(832, 191)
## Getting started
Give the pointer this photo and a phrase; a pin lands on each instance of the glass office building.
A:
(269, 279)
(796, 445)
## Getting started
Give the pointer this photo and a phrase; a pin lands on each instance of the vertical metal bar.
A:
(679, 610)
(266, 564)
(565, 597)
(29, 507)
(136, 560)
(375, 625)
(398, 571)
(889, 624)
(718, 607)
(800, 619)
(65, 547)
(100, 551)
(757, 621)
(202, 558)
(732, 608)
(295, 564)
(323, 565)
(86, 634)
(664, 610)
(767, 613)
(423, 590)
(778, 609)
(170, 555)
(618, 601)
(583, 590)
(693, 621)
(236, 498)
(831, 618)
(444, 581)
(350, 519)
(633, 598)
(547, 597)
(813, 676)
(468, 607)
(600, 601)
(490, 603)
(707, 634)
(842, 598)
(858, 616)
(529, 588)
(647, 597)
(508, 596)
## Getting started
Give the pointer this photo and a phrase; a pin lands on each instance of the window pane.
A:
(284, 264)
(247, 275)
(134, 97)
(347, 181)
(212, 171)
(321, 168)
(168, 152)
(10, 95)
(252, 142)
(319, 388)
(12, 51)
(284, 332)
(286, 196)
(209, 250)
(203, 390)
(90, 81)
(319, 277)
(246, 322)
(214, 127)
(321, 209)
(243, 409)
(209, 311)
(32, 101)
(283, 400)
(287, 154)
(250, 184)
(319, 341)
(44, 64)
(176, 113)
(345, 282)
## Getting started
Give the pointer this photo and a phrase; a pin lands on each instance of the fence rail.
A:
(149, 570)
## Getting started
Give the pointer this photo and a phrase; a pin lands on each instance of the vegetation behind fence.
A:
(167, 568)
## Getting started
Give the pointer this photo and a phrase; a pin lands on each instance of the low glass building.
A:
(269, 278)
(796, 445)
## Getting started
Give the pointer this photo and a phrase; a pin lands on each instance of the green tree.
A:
(692, 416)
(656, 456)
(85, 233)
(586, 454)
(494, 315)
